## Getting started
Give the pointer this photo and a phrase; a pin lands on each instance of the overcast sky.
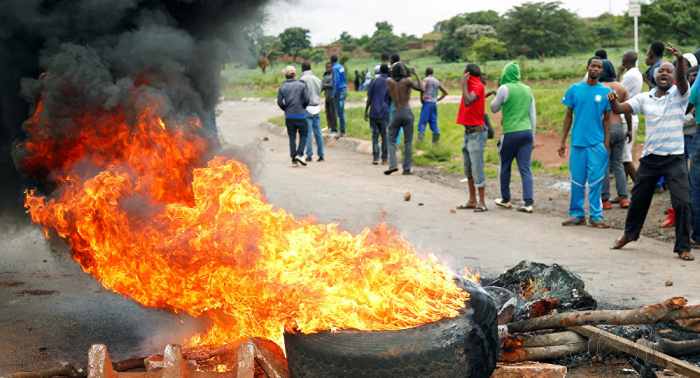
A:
(326, 19)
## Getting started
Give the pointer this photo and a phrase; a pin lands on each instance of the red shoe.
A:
(624, 203)
(671, 220)
(607, 205)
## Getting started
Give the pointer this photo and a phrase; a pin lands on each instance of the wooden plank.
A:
(647, 354)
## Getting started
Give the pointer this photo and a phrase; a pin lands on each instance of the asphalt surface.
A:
(51, 312)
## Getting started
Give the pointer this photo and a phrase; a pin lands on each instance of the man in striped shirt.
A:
(429, 98)
(664, 109)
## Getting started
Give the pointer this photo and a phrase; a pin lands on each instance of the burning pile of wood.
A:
(539, 324)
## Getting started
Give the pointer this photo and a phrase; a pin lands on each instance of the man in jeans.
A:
(340, 92)
(400, 85)
(471, 116)
(293, 98)
(313, 110)
(429, 98)
(379, 100)
(663, 108)
(327, 87)
(589, 109)
(620, 134)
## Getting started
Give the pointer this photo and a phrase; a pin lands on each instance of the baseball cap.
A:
(289, 70)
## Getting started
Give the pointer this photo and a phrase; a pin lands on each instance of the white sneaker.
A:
(525, 209)
(499, 202)
(300, 159)
(325, 128)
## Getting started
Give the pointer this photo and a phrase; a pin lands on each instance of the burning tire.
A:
(465, 346)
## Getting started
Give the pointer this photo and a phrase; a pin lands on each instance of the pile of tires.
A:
(464, 346)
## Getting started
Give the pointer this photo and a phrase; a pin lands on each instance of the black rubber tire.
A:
(465, 346)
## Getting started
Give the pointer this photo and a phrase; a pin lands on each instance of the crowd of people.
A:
(601, 117)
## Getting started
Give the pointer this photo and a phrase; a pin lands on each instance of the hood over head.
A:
(511, 73)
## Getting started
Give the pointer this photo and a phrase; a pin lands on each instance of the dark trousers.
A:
(379, 128)
(651, 169)
(331, 115)
(295, 126)
(516, 145)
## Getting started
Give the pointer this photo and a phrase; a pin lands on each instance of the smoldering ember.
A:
(151, 223)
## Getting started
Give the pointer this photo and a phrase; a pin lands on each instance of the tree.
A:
(317, 55)
(451, 47)
(544, 28)
(345, 37)
(294, 40)
(671, 20)
(608, 28)
(468, 34)
(384, 39)
(486, 48)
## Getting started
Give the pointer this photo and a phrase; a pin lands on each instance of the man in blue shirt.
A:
(340, 91)
(654, 59)
(293, 98)
(587, 104)
(379, 100)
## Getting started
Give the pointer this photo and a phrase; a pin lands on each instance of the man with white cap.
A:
(313, 118)
(293, 98)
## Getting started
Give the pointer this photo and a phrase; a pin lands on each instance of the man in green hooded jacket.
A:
(517, 139)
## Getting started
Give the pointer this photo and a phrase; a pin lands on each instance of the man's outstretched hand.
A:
(674, 50)
(612, 95)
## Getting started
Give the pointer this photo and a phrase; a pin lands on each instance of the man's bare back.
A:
(401, 91)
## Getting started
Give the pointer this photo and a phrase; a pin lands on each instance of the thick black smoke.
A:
(96, 52)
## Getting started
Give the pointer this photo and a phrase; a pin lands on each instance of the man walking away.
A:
(620, 134)
(654, 58)
(429, 98)
(313, 110)
(400, 85)
(385, 60)
(632, 80)
(471, 116)
(357, 81)
(663, 109)
(293, 98)
(588, 108)
(519, 123)
(340, 91)
(378, 102)
(327, 86)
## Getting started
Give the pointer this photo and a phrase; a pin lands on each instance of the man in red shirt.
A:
(471, 116)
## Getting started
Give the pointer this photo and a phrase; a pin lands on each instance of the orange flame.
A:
(469, 275)
(144, 220)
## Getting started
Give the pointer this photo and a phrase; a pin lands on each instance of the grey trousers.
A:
(401, 118)
(617, 151)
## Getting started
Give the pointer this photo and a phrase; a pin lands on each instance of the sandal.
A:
(686, 256)
(480, 209)
(620, 242)
(465, 206)
(694, 244)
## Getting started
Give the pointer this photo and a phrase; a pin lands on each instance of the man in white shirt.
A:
(632, 81)
(313, 119)
(664, 109)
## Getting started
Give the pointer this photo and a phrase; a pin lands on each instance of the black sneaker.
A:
(391, 170)
(407, 173)
(308, 158)
(300, 159)
(321, 159)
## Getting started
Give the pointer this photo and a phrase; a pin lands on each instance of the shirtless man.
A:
(400, 85)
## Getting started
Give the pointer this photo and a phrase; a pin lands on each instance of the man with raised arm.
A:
(589, 111)
(400, 85)
(663, 108)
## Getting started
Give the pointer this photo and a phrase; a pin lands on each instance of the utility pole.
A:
(635, 10)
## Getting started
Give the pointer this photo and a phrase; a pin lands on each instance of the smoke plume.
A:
(89, 56)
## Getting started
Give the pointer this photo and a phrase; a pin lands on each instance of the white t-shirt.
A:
(632, 80)
(313, 109)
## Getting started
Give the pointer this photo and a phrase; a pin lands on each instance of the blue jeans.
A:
(587, 164)
(516, 145)
(473, 154)
(401, 119)
(695, 186)
(379, 127)
(313, 122)
(428, 115)
(339, 100)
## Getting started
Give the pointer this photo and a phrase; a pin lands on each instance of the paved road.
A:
(41, 328)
